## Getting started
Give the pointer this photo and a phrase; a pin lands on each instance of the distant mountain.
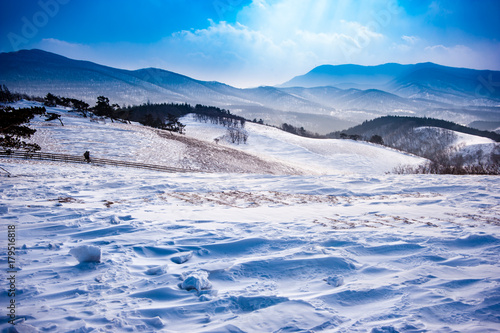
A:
(424, 80)
(348, 76)
(38, 72)
(328, 98)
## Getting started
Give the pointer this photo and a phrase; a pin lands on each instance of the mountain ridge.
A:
(320, 109)
(394, 77)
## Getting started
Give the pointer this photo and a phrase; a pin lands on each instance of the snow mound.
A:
(335, 281)
(86, 253)
(155, 322)
(180, 259)
(198, 281)
(385, 329)
(114, 220)
(157, 270)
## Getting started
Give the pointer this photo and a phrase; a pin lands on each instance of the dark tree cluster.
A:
(157, 111)
(373, 139)
(388, 124)
(52, 100)
(104, 109)
(218, 116)
(6, 96)
(13, 129)
(166, 115)
(179, 110)
(376, 139)
(354, 137)
(170, 123)
(299, 131)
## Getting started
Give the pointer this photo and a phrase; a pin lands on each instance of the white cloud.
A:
(412, 40)
(265, 55)
(273, 40)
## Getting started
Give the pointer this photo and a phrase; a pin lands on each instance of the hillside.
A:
(438, 140)
(383, 125)
(268, 150)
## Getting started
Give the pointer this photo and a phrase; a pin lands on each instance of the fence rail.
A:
(95, 161)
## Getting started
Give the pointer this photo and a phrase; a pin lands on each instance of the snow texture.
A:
(338, 247)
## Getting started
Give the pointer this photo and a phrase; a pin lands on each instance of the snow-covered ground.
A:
(111, 249)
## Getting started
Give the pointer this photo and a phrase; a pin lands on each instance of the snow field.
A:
(250, 253)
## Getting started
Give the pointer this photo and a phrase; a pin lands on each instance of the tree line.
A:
(382, 125)
(14, 129)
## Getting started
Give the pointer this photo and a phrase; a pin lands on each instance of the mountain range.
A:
(326, 99)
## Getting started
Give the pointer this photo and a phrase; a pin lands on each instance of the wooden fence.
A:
(95, 161)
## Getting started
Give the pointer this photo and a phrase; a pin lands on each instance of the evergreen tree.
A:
(51, 100)
(174, 125)
(377, 139)
(13, 128)
(102, 107)
(5, 95)
(53, 116)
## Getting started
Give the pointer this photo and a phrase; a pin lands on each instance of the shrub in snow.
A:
(157, 270)
(180, 259)
(198, 281)
(86, 253)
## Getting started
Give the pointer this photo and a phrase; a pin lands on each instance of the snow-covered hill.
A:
(110, 249)
(268, 150)
(316, 156)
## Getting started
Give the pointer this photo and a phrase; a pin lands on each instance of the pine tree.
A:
(102, 107)
(13, 128)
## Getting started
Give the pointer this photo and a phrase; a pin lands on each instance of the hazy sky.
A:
(256, 42)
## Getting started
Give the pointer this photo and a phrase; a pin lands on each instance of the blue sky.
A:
(256, 42)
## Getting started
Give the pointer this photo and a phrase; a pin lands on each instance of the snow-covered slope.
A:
(268, 150)
(110, 249)
(314, 155)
